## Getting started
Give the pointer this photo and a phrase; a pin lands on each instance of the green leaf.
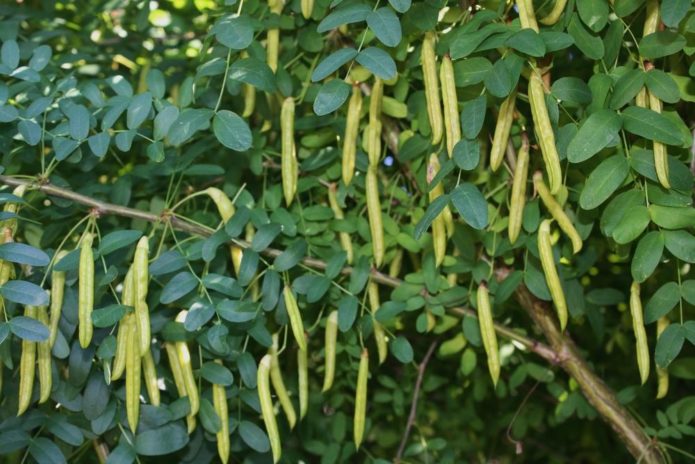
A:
(473, 116)
(332, 62)
(378, 62)
(254, 72)
(235, 33)
(179, 286)
(671, 217)
(467, 154)
(138, 110)
(78, 119)
(681, 244)
(571, 89)
(108, 316)
(265, 236)
(527, 41)
(8, 113)
(31, 132)
(198, 315)
(331, 96)
(586, 41)
(688, 291)
(400, 6)
(291, 256)
(661, 302)
(673, 11)
(64, 147)
(217, 374)
(499, 80)
(647, 255)
(117, 240)
(247, 369)
(45, 451)
(386, 26)
(651, 125)
(433, 210)
(254, 436)
(28, 329)
(163, 440)
(555, 41)
(21, 253)
(471, 205)
(631, 224)
(10, 54)
(232, 131)
(347, 312)
(23, 292)
(98, 143)
(660, 44)
(471, 71)
(164, 120)
(626, 88)
(669, 345)
(600, 129)
(187, 124)
(401, 349)
(350, 14)
(662, 86)
(603, 181)
(594, 13)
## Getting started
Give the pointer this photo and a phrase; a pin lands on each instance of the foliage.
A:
(145, 105)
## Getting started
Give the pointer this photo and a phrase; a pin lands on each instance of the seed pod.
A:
(150, 372)
(288, 152)
(487, 331)
(661, 373)
(177, 374)
(303, 382)
(184, 357)
(502, 129)
(118, 366)
(554, 15)
(271, 426)
(557, 212)
(345, 240)
(249, 92)
(517, 198)
(352, 127)
(660, 153)
(219, 401)
(331, 341)
(544, 131)
(13, 208)
(85, 300)
(527, 16)
(307, 8)
(545, 249)
(133, 380)
(141, 280)
(642, 347)
(272, 45)
(452, 120)
(379, 335)
(428, 61)
(651, 21)
(26, 368)
(641, 99)
(396, 263)
(226, 209)
(374, 213)
(57, 292)
(295, 317)
(361, 398)
(438, 224)
(279, 384)
(374, 129)
(43, 361)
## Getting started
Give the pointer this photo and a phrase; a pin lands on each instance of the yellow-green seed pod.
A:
(374, 129)
(545, 249)
(133, 379)
(352, 127)
(127, 299)
(544, 131)
(641, 345)
(288, 151)
(226, 209)
(141, 279)
(249, 92)
(379, 334)
(374, 214)
(57, 293)
(27, 368)
(85, 301)
(554, 15)
(452, 119)
(556, 211)
(303, 381)
(219, 401)
(651, 21)
(517, 198)
(661, 373)
(361, 398)
(307, 8)
(660, 152)
(487, 331)
(331, 341)
(267, 410)
(43, 360)
(502, 129)
(396, 263)
(428, 61)
(295, 317)
(279, 384)
(527, 15)
(345, 240)
(272, 45)
(184, 356)
(177, 374)
(438, 224)
(149, 371)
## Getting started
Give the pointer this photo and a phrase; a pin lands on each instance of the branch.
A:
(413, 404)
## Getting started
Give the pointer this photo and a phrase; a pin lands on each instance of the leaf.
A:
(673, 11)
(164, 120)
(651, 125)
(78, 119)
(626, 88)
(331, 96)
(672, 217)
(247, 369)
(108, 316)
(28, 329)
(45, 451)
(232, 131)
(64, 147)
(254, 436)
(350, 14)
(198, 315)
(235, 33)
(598, 131)
(631, 225)
(8, 113)
(662, 86)
(40, 57)
(681, 244)
(572, 89)
(471, 205)
(291, 256)
(378, 62)
(594, 13)
(660, 44)
(10, 54)
(473, 116)
(471, 71)
(31, 132)
(163, 440)
(347, 312)
(527, 41)
(254, 72)
(386, 26)
(265, 236)
(23, 292)
(99, 143)
(187, 124)
(400, 6)
(180, 285)
(332, 62)
(585, 40)
(603, 181)
(467, 154)
(661, 302)
(433, 210)
(669, 345)
(216, 374)
(21, 253)
(499, 80)
(138, 110)
(647, 255)
(401, 349)
(117, 240)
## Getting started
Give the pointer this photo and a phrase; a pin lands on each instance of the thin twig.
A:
(413, 404)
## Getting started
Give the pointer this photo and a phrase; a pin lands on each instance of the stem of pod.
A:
(545, 249)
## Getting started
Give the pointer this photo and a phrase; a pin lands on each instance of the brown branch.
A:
(413, 404)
